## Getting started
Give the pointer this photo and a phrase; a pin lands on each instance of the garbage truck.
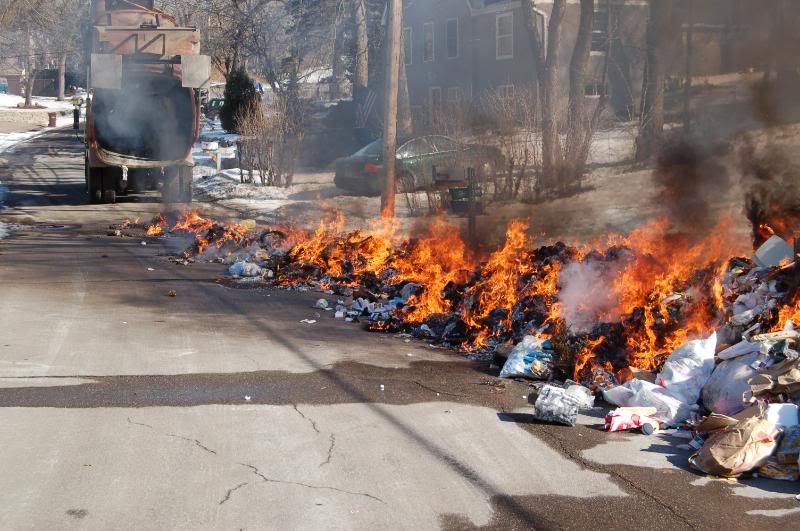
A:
(143, 109)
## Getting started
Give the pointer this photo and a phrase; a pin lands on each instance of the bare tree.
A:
(562, 168)
(30, 18)
(547, 65)
(362, 44)
(660, 35)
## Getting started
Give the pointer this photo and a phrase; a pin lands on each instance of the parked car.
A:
(362, 172)
(213, 107)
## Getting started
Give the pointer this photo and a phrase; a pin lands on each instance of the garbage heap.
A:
(671, 331)
(733, 395)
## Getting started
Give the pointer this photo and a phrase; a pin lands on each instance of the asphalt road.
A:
(123, 408)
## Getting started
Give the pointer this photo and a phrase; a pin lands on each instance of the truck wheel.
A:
(109, 196)
(94, 182)
(110, 185)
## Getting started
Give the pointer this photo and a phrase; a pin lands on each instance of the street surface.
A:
(124, 408)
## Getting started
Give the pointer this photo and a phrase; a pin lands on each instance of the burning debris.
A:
(608, 316)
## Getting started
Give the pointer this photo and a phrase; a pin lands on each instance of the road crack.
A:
(130, 421)
(188, 439)
(330, 451)
(195, 441)
(266, 479)
(231, 491)
(309, 419)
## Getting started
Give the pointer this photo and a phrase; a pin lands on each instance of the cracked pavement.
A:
(123, 408)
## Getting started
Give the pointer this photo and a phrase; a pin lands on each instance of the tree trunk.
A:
(576, 115)
(393, 52)
(62, 72)
(651, 122)
(551, 146)
(362, 44)
(337, 68)
(29, 77)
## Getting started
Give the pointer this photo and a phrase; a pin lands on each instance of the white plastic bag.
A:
(639, 393)
(556, 405)
(727, 391)
(582, 394)
(531, 358)
(688, 369)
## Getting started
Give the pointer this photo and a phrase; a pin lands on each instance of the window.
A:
(504, 28)
(414, 148)
(427, 44)
(452, 38)
(505, 92)
(595, 90)
(600, 31)
(454, 95)
(408, 46)
(442, 144)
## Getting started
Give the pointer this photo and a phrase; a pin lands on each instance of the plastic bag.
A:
(582, 394)
(556, 405)
(531, 358)
(245, 269)
(688, 369)
(737, 449)
(727, 391)
(638, 393)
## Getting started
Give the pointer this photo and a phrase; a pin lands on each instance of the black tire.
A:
(94, 183)
(111, 182)
(109, 196)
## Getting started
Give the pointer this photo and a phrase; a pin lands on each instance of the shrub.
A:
(240, 94)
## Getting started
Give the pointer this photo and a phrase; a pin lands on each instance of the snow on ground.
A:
(11, 101)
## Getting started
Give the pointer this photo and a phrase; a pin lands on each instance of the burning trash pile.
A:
(674, 331)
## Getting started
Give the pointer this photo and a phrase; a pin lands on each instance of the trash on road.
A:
(555, 404)
(531, 358)
(734, 450)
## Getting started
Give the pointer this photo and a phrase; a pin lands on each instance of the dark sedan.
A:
(362, 172)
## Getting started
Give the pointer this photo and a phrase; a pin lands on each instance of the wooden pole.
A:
(393, 40)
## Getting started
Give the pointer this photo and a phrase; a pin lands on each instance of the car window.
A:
(414, 148)
(373, 149)
(442, 143)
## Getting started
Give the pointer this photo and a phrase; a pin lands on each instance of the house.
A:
(459, 51)
(11, 78)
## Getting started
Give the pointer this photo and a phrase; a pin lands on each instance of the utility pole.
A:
(393, 42)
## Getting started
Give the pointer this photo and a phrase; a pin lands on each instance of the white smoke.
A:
(586, 293)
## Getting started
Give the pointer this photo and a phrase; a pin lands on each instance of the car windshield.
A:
(371, 150)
